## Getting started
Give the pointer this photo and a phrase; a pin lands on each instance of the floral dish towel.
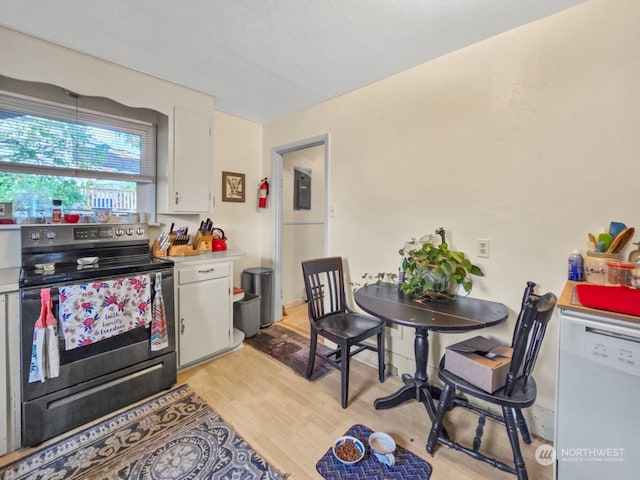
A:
(91, 312)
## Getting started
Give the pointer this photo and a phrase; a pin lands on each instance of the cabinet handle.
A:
(181, 326)
(209, 270)
(177, 198)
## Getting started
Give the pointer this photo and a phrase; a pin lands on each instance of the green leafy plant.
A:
(378, 279)
(430, 268)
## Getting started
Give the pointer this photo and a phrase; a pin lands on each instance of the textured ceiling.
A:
(263, 59)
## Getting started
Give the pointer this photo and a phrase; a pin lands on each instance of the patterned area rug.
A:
(291, 349)
(408, 466)
(174, 436)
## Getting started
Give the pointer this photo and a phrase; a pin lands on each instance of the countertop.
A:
(568, 301)
(221, 256)
(9, 279)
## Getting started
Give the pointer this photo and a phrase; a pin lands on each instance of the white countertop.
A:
(9, 279)
(222, 256)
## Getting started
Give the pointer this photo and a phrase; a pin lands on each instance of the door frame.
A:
(276, 196)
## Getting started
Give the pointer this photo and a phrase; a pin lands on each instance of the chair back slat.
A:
(532, 325)
(324, 286)
(528, 291)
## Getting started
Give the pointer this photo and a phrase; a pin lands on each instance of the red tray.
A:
(613, 298)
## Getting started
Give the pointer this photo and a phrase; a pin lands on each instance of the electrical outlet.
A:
(483, 247)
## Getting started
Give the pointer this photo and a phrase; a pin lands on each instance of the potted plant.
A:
(434, 270)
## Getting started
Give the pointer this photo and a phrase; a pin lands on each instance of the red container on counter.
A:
(218, 244)
(621, 299)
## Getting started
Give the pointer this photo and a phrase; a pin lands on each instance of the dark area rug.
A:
(174, 436)
(408, 466)
(291, 349)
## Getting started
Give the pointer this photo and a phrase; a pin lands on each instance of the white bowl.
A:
(359, 445)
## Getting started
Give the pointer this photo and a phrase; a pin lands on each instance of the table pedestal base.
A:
(413, 389)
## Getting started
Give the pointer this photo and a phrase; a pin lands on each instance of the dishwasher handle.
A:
(595, 324)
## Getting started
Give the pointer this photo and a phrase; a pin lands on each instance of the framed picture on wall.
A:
(233, 187)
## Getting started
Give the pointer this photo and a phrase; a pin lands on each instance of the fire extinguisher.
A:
(264, 191)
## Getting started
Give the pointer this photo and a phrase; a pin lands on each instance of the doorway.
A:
(300, 197)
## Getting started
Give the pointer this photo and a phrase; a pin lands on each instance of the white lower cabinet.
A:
(204, 306)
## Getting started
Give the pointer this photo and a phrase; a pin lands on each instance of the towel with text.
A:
(91, 312)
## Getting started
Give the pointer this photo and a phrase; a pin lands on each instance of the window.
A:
(86, 158)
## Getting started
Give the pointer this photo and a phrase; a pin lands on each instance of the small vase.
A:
(400, 277)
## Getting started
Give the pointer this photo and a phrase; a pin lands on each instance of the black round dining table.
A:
(455, 315)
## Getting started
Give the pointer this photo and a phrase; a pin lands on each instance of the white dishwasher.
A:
(598, 398)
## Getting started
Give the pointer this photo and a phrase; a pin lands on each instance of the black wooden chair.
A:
(518, 393)
(331, 318)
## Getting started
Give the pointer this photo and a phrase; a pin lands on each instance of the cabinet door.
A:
(204, 319)
(192, 182)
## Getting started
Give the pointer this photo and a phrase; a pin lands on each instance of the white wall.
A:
(238, 148)
(303, 230)
(529, 139)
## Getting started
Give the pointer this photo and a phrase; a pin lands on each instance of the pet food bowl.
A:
(340, 447)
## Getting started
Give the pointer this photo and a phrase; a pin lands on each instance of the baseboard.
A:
(295, 303)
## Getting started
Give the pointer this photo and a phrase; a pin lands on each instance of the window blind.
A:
(38, 136)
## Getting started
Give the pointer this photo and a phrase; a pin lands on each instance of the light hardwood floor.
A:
(291, 422)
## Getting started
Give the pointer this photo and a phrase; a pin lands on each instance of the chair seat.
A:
(349, 325)
(518, 398)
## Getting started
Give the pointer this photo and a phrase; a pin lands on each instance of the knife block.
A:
(155, 250)
(182, 251)
(203, 242)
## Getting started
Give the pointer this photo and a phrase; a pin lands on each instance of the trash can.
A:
(246, 314)
(258, 280)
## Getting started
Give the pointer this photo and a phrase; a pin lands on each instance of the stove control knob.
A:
(140, 231)
(129, 231)
(49, 235)
(35, 236)
(118, 232)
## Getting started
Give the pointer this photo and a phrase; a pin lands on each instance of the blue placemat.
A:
(408, 466)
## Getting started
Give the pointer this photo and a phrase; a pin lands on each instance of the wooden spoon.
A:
(592, 241)
(621, 240)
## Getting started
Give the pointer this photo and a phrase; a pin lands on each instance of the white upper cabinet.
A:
(189, 180)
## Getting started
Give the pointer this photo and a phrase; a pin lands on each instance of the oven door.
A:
(94, 379)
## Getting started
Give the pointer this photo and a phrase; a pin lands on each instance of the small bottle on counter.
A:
(56, 211)
(576, 267)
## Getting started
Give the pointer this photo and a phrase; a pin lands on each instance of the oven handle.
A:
(34, 294)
